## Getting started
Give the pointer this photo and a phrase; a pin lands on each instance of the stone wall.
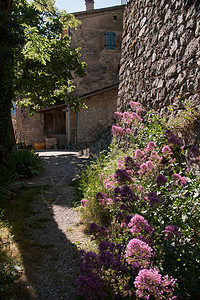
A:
(98, 116)
(160, 53)
(29, 129)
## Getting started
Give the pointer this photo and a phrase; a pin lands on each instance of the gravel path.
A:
(54, 231)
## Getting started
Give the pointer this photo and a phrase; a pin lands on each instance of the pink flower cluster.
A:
(137, 106)
(118, 115)
(138, 253)
(118, 131)
(138, 224)
(150, 146)
(110, 182)
(84, 202)
(151, 283)
(106, 202)
(139, 154)
(179, 180)
(155, 157)
(166, 150)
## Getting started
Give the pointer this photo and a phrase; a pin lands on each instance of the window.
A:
(109, 38)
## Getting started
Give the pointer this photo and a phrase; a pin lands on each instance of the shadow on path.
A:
(48, 246)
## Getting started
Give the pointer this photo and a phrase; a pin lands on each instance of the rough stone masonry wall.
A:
(160, 53)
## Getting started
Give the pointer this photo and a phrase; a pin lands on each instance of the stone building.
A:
(99, 37)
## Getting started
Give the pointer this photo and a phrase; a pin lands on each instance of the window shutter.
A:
(112, 40)
(109, 38)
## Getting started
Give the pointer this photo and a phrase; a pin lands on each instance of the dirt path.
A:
(54, 232)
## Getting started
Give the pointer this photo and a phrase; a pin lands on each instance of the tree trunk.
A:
(6, 74)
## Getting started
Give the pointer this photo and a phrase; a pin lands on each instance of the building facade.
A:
(99, 37)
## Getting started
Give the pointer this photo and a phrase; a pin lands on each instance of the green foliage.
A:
(37, 64)
(186, 119)
(46, 63)
(6, 178)
(8, 272)
(175, 201)
(24, 163)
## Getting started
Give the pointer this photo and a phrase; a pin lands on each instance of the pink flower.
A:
(136, 117)
(172, 231)
(109, 201)
(84, 202)
(128, 131)
(179, 180)
(139, 154)
(150, 146)
(166, 150)
(118, 115)
(127, 118)
(144, 168)
(150, 164)
(138, 224)
(118, 131)
(138, 253)
(154, 156)
(120, 166)
(151, 283)
(101, 176)
(134, 104)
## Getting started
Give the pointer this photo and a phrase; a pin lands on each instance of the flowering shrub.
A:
(150, 283)
(147, 198)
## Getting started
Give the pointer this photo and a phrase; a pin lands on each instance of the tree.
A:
(42, 63)
(7, 43)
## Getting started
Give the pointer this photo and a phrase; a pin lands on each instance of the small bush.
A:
(24, 163)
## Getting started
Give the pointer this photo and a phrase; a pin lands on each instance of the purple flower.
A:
(138, 253)
(153, 198)
(104, 245)
(98, 230)
(151, 283)
(161, 179)
(101, 196)
(127, 195)
(127, 219)
(89, 263)
(94, 228)
(172, 138)
(172, 231)
(106, 258)
(91, 287)
(122, 176)
(194, 151)
(116, 194)
(129, 163)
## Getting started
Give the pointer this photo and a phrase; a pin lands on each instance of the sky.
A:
(79, 5)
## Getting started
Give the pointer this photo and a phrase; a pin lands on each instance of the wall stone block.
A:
(165, 57)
